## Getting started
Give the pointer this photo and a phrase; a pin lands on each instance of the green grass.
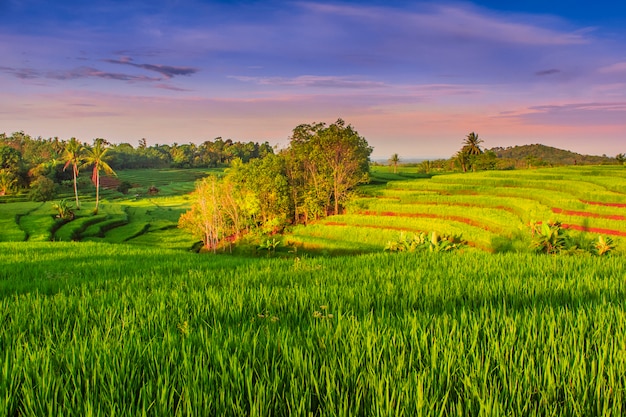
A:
(167, 181)
(491, 209)
(96, 329)
(10, 230)
(137, 217)
(39, 222)
(142, 327)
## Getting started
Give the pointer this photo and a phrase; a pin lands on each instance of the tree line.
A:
(313, 177)
(37, 164)
(473, 157)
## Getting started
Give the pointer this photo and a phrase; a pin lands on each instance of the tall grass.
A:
(91, 329)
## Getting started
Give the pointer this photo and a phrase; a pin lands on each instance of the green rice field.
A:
(92, 329)
(113, 315)
(492, 210)
(137, 218)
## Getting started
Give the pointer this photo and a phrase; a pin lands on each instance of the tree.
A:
(94, 156)
(347, 156)
(469, 151)
(206, 217)
(621, 158)
(394, 161)
(261, 191)
(485, 161)
(42, 189)
(7, 181)
(462, 158)
(332, 160)
(471, 144)
(425, 166)
(306, 184)
(251, 196)
(72, 156)
(10, 158)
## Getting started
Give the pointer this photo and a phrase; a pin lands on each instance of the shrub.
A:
(124, 187)
(270, 246)
(64, 209)
(603, 246)
(42, 189)
(422, 241)
(549, 237)
(552, 238)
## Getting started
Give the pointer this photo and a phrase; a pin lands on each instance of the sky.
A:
(412, 77)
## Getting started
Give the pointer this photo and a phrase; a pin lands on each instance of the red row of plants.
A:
(588, 214)
(596, 230)
(600, 203)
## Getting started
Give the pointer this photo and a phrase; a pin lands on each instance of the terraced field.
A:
(168, 181)
(139, 217)
(492, 210)
(134, 328)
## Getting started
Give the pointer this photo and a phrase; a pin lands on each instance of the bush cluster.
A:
(425, 241)
(552, 238)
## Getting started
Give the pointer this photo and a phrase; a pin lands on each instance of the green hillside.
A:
(539, 155)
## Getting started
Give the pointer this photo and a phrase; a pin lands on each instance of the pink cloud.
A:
(617, 68)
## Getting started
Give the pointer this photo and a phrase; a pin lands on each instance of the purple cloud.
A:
(165, 70)
(170, 87)
(22, 73)
(551, 71)
(573, 114)
(617, 68)
(90, 72)
(312, 81)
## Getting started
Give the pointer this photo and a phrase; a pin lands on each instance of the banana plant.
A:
(65, 210)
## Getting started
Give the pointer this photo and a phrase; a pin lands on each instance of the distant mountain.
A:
(538, 154)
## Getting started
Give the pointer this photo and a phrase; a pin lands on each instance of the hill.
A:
(538, 154)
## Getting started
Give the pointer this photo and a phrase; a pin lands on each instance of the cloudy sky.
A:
(412, 77)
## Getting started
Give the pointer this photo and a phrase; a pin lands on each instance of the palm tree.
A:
(94, 156)
(394, 161)
(462, 157)
(72, 156)
(472, 144)
(471, 147)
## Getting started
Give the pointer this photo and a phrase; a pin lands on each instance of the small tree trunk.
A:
(76, 189)
(97, 190)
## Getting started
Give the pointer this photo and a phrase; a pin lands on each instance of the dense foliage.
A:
(24, 159)
(311, 178)
(541, 155)
(250, 197)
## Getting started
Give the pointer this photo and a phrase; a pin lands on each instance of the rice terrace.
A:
(417, 291)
